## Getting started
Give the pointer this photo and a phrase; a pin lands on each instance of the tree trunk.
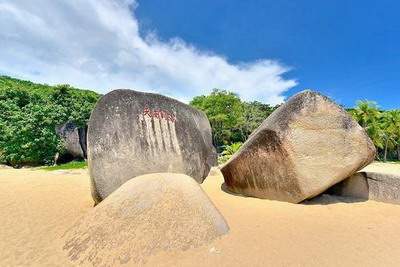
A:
(386, 148)
(377, 156)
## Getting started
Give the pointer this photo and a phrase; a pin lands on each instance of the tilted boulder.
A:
(304, 147)
(377, 186)
(146, 215)
(133, 133)
(74, 139)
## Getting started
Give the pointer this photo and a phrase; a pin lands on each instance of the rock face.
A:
(146, 215)
(74, 139)
(304, 147)
(370, 185)
(133, 133)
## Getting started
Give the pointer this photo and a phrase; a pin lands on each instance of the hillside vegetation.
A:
(29, 114)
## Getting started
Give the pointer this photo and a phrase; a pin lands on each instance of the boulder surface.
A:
(74, 139)
(377, 186)
(307, 145)
(133, 133)
(146, 215)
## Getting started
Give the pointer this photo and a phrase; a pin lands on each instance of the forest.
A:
(29, 113)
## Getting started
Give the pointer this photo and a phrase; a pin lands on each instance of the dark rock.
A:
(74, 139)
(133, 133)
(377, 186)
(83, 140)
(304, 147)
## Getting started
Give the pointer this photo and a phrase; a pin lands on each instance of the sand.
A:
(37, 207)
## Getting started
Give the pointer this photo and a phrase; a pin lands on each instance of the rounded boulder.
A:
(146, 215)
(133, 133)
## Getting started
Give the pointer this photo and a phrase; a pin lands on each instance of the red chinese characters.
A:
(159, 114)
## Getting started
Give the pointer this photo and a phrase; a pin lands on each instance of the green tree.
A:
(29, 114)
(225, 112)
(254, 114)
(383, 127)
(28, 132)
(390, 121)
(366, 112)
(368, 116)
(231, 119)
(396, 131)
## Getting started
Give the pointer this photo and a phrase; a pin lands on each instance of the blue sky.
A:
(348, 50)
(262, 50)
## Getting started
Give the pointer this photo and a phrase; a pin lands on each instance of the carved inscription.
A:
(159, 114)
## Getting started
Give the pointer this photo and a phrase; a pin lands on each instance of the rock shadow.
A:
(323, 199)
(226, 190)
(326, 199)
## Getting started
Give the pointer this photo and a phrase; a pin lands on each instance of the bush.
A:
(228, 152)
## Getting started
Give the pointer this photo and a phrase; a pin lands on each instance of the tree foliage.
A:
(232, 120)
(29, 114)
(383, 127)
(228, 152)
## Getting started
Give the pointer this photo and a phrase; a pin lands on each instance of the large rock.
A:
(74, 139)
(133, 133)
(377, 186)
(304, 147)
(146, 215)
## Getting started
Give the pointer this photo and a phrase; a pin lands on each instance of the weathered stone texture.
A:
(133, 133)
(146, 215)
(304, 147)
(377, 186)
(74, 139)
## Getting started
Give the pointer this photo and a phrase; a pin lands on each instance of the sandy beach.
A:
(37, 207)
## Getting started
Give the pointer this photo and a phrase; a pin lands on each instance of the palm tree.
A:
(383, 127)
(228, 152)
(391, 129)
(397, 131)
(386, 121)
(366, 112)
(369, 117)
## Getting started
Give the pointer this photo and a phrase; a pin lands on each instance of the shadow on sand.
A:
(323, 199)
(226, 190)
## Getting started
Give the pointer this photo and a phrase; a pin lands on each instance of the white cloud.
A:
(96, 44)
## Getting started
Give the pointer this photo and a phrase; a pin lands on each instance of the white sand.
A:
(37, 207)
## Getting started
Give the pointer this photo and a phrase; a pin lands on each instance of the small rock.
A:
(377, 186)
